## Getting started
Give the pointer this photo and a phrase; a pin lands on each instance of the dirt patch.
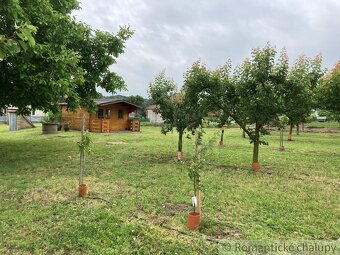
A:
(115, 143)
(44, 197)
(222, 234)
(152, 219)
(155, 158)
(63, 190)
(13, 249)
(322, 179)
(173, 209)
(269, 171)
(165, 159)
(219, 230)
(226, 167)
(230, 233)
(322, 130)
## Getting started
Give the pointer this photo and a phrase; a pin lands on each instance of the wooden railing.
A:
(100, 126)
(135, 125)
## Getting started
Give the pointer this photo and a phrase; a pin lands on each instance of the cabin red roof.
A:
(107, 101)
(153, 107)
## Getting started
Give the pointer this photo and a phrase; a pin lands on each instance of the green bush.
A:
(52, 117)
(151, 124)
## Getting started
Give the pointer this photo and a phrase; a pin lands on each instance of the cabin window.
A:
(108, 113)
(33, 112)
(120, 114)
(100, 113)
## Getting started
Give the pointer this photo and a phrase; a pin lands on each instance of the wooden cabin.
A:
(111, 115)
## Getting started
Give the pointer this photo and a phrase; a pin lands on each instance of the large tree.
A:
(68, 60)
(250, 95)
(328, 92)
(174, 107)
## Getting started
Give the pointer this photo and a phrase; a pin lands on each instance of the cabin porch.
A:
(104, 126)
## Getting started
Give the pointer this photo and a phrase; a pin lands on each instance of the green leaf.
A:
(21, 36)
(28, 36)
(2, 54)
(32, 28)
(23, 45)
(31, 40)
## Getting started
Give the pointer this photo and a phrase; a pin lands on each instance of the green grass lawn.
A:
(140, 195)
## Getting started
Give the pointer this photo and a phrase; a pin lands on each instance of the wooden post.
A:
(197, 159)
(82, 156)
(198, 197)
(196, 146)
(281, 148)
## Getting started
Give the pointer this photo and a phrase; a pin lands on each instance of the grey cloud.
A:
(171, 35)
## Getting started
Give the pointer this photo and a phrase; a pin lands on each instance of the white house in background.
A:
(36, 116)
(152, 115)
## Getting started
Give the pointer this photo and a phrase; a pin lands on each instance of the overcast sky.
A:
(171, 35)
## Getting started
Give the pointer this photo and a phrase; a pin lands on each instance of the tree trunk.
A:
(243, 134)
(180, 146)
(256, 147)
(222, 135)
(291, 128)
(290, 138)
(297, 129)
(256, 165)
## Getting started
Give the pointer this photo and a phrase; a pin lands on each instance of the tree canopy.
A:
(328, 92)
(250, 94)
(299, 88)
(174, 107)
(257, 92)
(64, 59)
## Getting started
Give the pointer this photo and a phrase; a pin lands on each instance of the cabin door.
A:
(106, 121)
